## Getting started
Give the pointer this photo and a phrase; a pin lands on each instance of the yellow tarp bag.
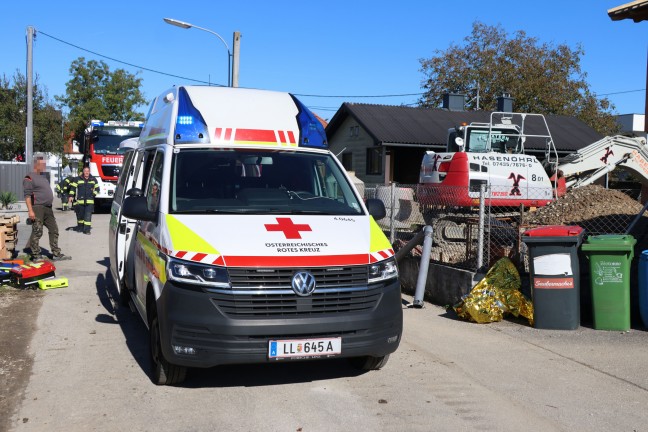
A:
(496, 295)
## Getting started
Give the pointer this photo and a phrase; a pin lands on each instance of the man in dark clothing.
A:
(39, 197)
(83, 190)
(63, 190)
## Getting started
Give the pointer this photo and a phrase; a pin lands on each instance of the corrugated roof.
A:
(388, 124)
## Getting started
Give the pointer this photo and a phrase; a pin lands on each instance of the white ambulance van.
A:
(239, 238)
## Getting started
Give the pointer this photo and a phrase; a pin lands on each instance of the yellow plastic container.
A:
(53, 283)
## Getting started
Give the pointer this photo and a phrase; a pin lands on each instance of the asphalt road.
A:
(90, 374)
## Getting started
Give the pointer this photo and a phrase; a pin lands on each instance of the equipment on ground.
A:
(46, 284)
(29, 274)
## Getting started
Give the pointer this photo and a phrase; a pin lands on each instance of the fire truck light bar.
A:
(117, 123)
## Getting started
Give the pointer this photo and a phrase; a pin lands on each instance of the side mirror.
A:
(376, 208)
(135, 207)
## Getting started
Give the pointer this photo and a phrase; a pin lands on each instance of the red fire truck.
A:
(101, 152)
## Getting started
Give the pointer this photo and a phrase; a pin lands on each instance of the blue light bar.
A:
(185, 120)
(96, 123)
(190, 125)
(311, 131)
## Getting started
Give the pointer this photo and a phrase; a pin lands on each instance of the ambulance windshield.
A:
(259, 182)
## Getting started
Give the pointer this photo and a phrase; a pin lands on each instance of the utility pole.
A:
(235, 63)
(29, 131)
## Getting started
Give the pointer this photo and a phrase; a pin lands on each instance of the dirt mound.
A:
(597, 209)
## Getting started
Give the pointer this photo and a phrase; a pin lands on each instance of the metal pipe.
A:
(29, 128)
(416, 240)
(480, 235)
(423, 268)
(636, 218)
(392, 215)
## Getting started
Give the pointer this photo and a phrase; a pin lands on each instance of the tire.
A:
(368, 363)
(162, 372)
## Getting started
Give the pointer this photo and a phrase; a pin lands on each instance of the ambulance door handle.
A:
(122, 228)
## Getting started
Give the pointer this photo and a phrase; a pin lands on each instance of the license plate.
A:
(304, 348)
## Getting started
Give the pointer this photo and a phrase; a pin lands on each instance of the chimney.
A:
(454, 101)
(505, 103)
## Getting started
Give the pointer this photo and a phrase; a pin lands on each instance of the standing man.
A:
(83, 190)
(39, 198)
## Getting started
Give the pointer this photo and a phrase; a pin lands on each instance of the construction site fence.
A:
(473, 235)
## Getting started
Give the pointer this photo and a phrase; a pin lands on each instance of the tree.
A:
(47, 118)
(94, 92)
(542, 78)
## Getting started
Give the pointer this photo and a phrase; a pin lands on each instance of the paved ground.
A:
(90, 364)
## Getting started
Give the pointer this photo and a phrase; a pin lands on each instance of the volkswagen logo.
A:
(303, 283)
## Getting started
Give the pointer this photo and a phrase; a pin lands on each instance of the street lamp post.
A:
(230, 70)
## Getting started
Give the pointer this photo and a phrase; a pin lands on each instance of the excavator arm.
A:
(592, 162)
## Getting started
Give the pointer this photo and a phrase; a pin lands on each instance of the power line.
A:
(123, 62)
(296, 94)
(205, 82)
(620, 92)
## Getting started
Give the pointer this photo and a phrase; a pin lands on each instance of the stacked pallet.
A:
(8, 235)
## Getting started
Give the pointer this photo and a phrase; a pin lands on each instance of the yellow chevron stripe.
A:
(185, 239)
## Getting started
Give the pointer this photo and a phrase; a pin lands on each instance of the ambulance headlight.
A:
(382, 271)
(195, 273)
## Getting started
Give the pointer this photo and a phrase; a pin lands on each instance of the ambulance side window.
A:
(149, 156)
(127, 171)
(154, 183)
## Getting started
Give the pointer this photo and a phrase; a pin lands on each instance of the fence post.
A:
(480, 236)
(392, 215)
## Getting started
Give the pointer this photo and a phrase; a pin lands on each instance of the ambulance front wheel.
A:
(162, 372)
(370, 362)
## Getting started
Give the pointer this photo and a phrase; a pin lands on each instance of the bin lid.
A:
(610, 243)
(555, 231)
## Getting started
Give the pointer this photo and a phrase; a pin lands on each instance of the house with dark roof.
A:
(385, 143)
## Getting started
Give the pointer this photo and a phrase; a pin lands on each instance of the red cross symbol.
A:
(290, 230)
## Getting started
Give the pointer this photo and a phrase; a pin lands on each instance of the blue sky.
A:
(346, 48)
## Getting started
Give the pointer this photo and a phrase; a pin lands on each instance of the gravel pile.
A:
(601, 210)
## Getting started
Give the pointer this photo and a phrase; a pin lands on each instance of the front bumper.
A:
(192, 318)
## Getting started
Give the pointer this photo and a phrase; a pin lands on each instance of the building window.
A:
(354, 131)
(374, 161)
(347, 161)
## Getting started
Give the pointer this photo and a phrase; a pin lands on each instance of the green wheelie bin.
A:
(610, 256)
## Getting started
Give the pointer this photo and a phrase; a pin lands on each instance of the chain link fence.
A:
(471, 236)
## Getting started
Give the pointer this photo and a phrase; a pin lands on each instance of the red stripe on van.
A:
(296, 261)
(291, 137)
(198, 257)
(257, 135)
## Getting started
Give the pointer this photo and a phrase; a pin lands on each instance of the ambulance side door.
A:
(121, 228)
(146, 255)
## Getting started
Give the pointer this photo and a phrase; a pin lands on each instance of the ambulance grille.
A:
(268, 293)
(337, 277)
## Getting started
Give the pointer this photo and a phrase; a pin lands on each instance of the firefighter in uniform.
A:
(83, 190)
(63, 191)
